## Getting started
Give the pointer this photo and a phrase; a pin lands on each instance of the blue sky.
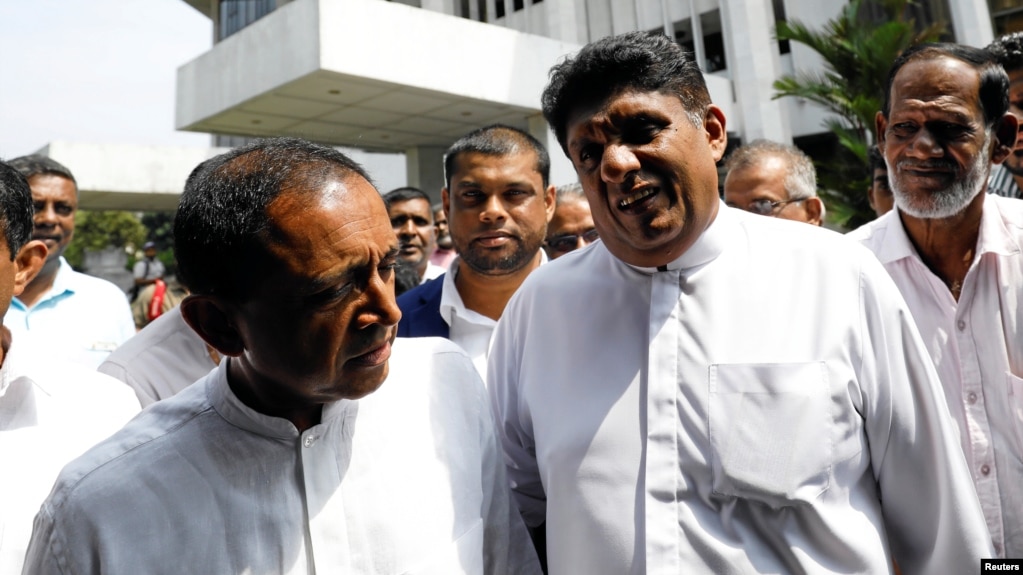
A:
(94, 71)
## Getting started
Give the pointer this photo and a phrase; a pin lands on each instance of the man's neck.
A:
(947, 245)
(488, 294)
(42, 283)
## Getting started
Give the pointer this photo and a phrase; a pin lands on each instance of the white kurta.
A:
(977, 346)
(763, 406)
(405, 480)
(163, 358)
(50, 413)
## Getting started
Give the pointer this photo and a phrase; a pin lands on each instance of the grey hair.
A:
(800, 177)
(573, 191)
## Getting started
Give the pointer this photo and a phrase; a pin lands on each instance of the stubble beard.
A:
(953, 199)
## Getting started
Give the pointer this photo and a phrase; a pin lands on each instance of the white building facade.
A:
(410, 76)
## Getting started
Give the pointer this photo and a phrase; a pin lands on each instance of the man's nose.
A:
(617, 163)
(45, 215)
(407, 229)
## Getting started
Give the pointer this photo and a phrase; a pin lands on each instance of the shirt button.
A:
(309, 440)
(971, 398)
(985, 469)
(961, 324)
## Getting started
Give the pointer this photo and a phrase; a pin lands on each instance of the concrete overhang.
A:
(128, 177)
(367, 74)
(206, 7)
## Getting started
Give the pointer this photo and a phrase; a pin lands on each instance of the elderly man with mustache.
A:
(956, 254)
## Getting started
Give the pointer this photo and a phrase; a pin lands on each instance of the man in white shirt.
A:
(1007, 178)
(306, 450)
(50, 412)
(956, 254)
(81, 318)
(773, 179)
(498, 201)
(734, 393)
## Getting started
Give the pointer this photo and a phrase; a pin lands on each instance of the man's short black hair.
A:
(1008, 51)
(497, 140)
(643, 61)
(16, 213)
(876, 160)
(405, 194)
(37, 165)
(221, 224)
(994, 82)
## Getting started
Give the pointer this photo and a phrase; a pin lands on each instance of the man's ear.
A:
(1005, 138)
(445, 201)
(30, 260)
(814, 210)
(213, 320)
(714, 125)
(880, 125)
(550, 197)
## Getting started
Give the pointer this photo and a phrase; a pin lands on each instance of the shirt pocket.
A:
(771, 432)
(1015, 387)
(463, 555)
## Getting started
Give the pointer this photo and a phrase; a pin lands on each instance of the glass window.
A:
(237, 14)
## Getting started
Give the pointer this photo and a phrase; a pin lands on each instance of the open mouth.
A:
(637, 197)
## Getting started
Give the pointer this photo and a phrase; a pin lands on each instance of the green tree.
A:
(858, 47)
(160, 226)
(102, 229)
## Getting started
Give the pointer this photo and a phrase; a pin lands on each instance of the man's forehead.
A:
(944, 80)
(411, 205)
(519, 164)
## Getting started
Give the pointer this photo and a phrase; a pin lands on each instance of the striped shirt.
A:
(1001, 183)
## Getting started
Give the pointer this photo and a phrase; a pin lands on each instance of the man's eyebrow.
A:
(392, 253)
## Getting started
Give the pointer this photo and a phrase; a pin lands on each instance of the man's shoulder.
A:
(153, 337)
(872, 234)
(83, 391)
(420, 310)
(95, 288)
(1011, 212)
(162, 359)
(134, 447)
(423, 294)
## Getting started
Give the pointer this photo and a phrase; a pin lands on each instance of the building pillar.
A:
(425, 168)
(562, 171)
(754, 65)
(971, 22)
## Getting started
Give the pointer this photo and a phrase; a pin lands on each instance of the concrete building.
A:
(410, 76)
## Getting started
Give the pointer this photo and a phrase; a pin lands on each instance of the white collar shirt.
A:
(977, 347)
(81, 318)
(469, 329)
(764, 405)
(405, 480)
(161, 360)
(432, 271)
(50, 413)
